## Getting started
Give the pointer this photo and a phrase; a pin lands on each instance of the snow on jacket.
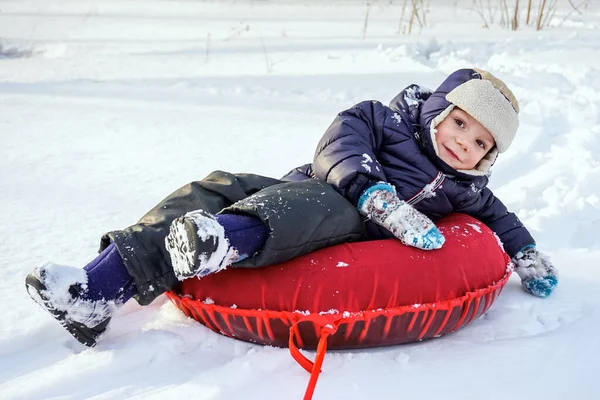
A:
(371, 142)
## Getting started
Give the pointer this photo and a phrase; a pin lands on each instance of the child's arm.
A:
(538, 276)
(381, 205)
(347, 159)
(347, 154)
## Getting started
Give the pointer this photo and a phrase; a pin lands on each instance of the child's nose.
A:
(462, 144)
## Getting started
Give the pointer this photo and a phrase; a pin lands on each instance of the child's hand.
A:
(538, 276)
(380, 204)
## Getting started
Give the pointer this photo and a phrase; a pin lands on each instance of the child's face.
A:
(462, 141)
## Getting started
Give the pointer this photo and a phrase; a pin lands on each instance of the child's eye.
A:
(481, 144)
(459, 122)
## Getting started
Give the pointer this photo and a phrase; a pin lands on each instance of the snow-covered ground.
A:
(106, 107)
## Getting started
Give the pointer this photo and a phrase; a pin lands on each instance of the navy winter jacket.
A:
(371, 142)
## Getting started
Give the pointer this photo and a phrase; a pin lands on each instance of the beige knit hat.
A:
(492, 104)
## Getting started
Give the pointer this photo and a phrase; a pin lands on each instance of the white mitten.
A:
(538, 276)
(381, 205)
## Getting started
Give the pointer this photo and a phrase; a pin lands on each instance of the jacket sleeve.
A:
(491, 211)
(347, 154)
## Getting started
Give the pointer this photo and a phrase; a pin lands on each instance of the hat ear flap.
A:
(484, 165)
(435, 122)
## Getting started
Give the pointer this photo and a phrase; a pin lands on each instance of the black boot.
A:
(85, 319)
(197, 245)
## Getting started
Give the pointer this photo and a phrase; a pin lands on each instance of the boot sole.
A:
(85, 335)
(179, 245)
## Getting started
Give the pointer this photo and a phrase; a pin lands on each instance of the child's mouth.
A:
(453, 154)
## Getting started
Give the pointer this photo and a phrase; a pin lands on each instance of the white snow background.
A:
(108, 106)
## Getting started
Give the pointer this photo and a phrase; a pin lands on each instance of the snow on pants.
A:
(302, 217)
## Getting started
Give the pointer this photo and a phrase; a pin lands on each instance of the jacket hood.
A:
(421, 106)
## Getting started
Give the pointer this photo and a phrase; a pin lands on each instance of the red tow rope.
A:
(313, 368)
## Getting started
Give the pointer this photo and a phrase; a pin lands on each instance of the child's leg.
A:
(200, 243)
(247, 234)
(296, 218)
(83, 300)
(142, 245)
(108, 278)
(301, 216)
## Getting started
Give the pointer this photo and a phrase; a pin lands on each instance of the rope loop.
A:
(313, 368)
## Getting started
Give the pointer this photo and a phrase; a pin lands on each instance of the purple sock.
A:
(108, 278)
(247, 234)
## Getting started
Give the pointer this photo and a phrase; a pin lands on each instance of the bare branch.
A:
(576, 8)
(540, 15)
(402, 17)
(366, 21)
(515, 21)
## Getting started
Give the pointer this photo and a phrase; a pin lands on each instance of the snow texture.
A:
(58, 279)
(107, 107)
(189, 261)
(183, 257)
(475, 227)
(209, 229)
(529, 263)
(413, 95)
(366, 161)
(429, 190)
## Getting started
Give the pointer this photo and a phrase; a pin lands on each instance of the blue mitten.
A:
(381, 205)
(538, 275)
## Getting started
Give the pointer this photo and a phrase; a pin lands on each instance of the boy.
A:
(402, 167)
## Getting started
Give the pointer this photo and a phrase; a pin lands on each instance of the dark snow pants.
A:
(302, 216)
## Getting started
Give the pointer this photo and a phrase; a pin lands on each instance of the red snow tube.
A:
(355, 295)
